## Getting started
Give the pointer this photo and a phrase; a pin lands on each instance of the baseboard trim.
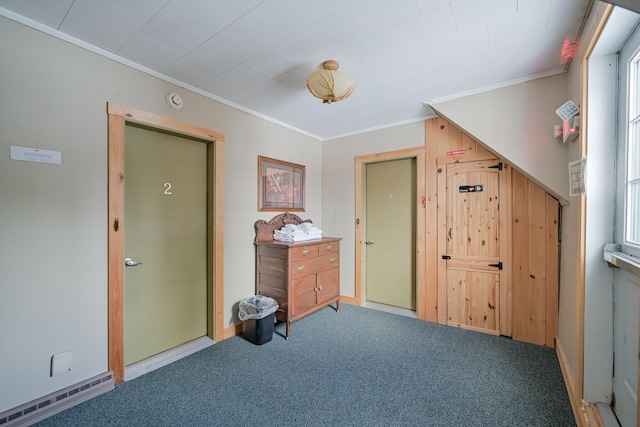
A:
(51, 404)
(348, 300)
(163, 359)
(233, 330)
(576, 404)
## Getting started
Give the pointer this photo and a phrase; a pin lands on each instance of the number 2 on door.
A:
(167, 188)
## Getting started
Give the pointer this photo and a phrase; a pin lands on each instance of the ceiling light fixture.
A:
(329, 84)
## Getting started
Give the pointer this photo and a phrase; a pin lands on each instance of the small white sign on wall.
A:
(577, 170)
(38, 155)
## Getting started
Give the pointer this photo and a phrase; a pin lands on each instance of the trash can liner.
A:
(256, 307)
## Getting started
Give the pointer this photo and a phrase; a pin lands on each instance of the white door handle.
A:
(369, 242)
(128, 262)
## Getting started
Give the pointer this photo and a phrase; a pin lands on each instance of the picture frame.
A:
(281, 186)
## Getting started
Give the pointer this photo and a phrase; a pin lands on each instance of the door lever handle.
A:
(128, 262)
(369, 242)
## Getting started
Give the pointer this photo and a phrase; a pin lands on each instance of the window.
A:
(632, 229)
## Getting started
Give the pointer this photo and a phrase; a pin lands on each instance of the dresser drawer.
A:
(304, 252)
(327, 248)
(304, 267)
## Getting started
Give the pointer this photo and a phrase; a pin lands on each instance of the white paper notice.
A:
(577, 172)
(36, 155)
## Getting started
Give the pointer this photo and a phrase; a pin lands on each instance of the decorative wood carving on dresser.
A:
(303, 277)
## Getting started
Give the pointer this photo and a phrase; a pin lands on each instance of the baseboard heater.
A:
(39, 409)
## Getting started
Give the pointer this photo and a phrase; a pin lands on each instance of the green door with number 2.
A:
(165, 302)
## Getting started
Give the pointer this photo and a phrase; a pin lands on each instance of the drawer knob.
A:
(305, 252)
(332, 260)
(319, 288)
(300, 269)
(329, 247)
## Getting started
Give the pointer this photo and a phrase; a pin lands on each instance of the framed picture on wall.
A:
(280, 185)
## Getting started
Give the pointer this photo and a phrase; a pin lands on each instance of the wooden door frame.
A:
(118, 117)
(419, 153)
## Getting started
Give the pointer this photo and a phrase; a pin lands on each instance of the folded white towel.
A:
(297, 233)
(292, 233)
(297, 238)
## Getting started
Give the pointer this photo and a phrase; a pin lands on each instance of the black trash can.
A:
(257, 315)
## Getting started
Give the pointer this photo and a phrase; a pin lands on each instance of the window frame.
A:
(630, 153)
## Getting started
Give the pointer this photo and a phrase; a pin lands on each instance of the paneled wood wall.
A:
(528, 233)
(535, 263)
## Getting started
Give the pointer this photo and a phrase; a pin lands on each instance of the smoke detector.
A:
(174, 100)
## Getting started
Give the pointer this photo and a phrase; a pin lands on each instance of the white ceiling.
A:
(257, 54)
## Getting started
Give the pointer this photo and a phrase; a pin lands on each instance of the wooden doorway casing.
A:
(118, 116)
(419, 153)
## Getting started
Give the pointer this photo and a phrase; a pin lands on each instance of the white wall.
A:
(338, 190)
(517, 123)
(53, 228)
(571, 297)
(598, 228)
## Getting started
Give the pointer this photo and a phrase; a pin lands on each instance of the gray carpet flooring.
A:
(355, 367)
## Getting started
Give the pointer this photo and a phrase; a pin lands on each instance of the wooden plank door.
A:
(473, 246)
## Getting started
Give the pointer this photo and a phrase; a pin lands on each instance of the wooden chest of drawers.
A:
(303, 277)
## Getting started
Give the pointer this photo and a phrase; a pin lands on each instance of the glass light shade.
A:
(329, 84)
